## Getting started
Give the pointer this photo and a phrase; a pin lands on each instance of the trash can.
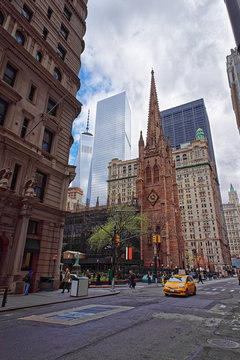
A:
(79, 287)
(46, 283)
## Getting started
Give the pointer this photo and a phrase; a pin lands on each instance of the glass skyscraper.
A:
(83, 161)
(181, 123)
(112, 139)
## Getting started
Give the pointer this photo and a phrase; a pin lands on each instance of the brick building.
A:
(40, 47)
(156, 190)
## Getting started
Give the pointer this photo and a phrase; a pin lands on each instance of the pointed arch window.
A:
(148, 175)
(156, 173)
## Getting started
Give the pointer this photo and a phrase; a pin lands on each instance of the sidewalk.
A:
(41, 298)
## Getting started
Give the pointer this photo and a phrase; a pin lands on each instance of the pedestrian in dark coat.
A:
(28, 281)
(200, 278)
(132, 283)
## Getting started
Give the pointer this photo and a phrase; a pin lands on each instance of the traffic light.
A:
(117, 240)
(156, 239)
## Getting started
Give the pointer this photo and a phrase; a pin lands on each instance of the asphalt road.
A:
(136, 324)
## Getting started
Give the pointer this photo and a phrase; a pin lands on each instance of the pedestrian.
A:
(239, 279)
(28, 280)
(98, 282)
(149, 278)
(132, 283)
(66, 280)
(163, 279)
(200, 278)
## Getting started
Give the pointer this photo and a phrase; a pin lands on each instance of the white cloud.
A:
(186, 43)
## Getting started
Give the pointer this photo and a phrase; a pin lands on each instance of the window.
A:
(47, 140)
(1, 18)
(9, 74)
(124, 170)
(3, 110)
(64, 32)
(57, 74)
(39, 56)
(44, 33)
(24, 128)
(52, 107)
(31, 92)
(14, 177)
(156, 174)
(32, 227)
(40, 185)
(49, 12)
(61, 52)
(19, 37)
(27, 13)
(148, 175)
(67, 13)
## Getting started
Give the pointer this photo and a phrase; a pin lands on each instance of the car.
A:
(145, 278)
(183, 285)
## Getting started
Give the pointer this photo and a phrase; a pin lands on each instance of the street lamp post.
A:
(53, 271)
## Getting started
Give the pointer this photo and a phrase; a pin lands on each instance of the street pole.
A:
(155, 262)
(113, 251)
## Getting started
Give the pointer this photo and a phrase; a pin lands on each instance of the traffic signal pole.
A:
(113, 251)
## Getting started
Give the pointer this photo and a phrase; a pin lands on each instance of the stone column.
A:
(20, 237)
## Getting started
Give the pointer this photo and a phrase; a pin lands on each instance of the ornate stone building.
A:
(203, 226)
(232, 219)
(122, 176)
(40, 47)
(156, 190)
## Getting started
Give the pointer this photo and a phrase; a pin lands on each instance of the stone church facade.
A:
(157, 192)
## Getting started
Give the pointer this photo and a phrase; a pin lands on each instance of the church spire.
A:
(154, 128)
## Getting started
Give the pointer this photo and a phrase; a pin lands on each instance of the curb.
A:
(59, 302)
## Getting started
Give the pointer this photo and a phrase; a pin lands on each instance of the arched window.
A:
(57, 74)
(39, 56)
(135, 168)
(19, 37)
(156, 173)
(184, 157)
(124, 170)
(148, 175)
(129, 169)
(1, 18)
(177, 158)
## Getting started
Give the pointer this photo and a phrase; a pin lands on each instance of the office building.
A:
(157, 193)
(203, 226)
(40, 47)
(112, 139)
(83, 161)
(233, 72)
(233, 8)
(232, 219)
(122, 176)
(181, 123)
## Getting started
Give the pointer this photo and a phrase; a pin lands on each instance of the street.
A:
(136, 324)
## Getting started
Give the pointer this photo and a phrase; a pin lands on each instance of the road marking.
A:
(223, 289)
(232, 290)
(210, 321)
(78, 315)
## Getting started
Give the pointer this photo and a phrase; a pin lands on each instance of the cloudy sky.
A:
(186, 43)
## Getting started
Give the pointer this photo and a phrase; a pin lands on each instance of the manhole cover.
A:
(224, 343)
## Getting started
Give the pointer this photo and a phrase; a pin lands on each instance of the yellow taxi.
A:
(180, 285)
